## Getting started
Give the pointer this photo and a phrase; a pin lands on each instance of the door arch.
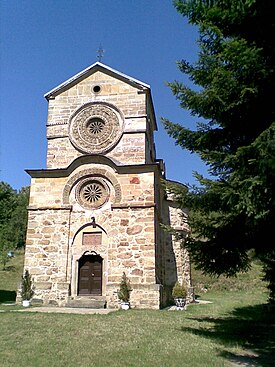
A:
(90, 275)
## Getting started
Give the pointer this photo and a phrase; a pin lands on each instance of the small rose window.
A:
(92, 193)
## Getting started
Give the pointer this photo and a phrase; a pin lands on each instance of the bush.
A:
(179, 291)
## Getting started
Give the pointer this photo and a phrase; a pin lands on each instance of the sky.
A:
(44, 43)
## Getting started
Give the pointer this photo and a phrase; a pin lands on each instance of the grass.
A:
(11, 277)
(235, 330)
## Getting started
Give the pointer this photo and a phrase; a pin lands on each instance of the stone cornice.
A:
(133, 205)
(62, 207)
(96, 159)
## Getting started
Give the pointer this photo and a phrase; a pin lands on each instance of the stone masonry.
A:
(96, 210)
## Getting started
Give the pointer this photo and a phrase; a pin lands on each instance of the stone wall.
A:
(125, 98)
(46, 252)
(102, 180)
(54, 242)
(178, 221)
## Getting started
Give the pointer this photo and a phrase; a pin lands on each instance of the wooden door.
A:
(90, 275)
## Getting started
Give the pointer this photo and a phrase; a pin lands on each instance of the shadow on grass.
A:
(10, 268)
(252, 328)
(7, 296)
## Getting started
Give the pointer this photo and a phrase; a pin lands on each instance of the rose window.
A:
(92, 193)
(95, 126)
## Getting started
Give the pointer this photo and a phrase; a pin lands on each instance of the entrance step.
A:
(87, 302)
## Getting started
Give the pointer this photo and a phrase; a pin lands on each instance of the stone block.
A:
(43, 285)
(133, 230)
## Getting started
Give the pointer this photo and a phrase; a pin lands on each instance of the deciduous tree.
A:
(13, 219)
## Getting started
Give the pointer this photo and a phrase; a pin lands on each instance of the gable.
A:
(97, 67)
(110, 83)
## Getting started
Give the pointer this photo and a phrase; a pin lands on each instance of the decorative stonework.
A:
(93, 241)
(92, 193)
(95, 128)
(92, 172)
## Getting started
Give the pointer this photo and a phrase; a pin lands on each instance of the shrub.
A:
(27, 290)
(179, 291)
(124, 289)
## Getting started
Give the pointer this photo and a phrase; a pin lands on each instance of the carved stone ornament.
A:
(95, 128)
(92, 193)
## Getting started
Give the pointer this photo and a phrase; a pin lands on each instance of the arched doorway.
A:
(90, 275)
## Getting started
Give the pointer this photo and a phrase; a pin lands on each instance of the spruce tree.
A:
(232, 213)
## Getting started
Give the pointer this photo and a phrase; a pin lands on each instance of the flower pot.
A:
(180, 303)
(26, 303)
(125, 305)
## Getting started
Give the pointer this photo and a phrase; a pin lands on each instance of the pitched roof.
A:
(98, 66)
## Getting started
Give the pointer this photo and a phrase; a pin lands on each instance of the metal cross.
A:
(100, 53)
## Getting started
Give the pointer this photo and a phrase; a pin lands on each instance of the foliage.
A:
(233, 211)
(4, 259)
(27, 289)
(124, 289)
(20, 216)
(13, 219)
(179, 290)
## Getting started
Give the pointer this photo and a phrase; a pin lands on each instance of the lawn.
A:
(11, 277)
(234, 330)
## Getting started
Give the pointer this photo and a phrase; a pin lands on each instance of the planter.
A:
(26, 303)
(125, 305)
(180, 303)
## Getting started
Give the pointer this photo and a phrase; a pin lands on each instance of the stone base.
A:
(143, 296)
(87, 302)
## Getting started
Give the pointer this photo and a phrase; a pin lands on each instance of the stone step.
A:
(87, 302)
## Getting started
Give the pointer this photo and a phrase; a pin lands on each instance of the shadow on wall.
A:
(168, 269)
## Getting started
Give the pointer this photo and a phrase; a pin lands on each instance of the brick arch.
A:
(91, 172)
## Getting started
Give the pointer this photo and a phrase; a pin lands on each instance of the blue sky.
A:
(43, 43)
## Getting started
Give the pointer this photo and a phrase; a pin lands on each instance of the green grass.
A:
(236, 328)
(243, 281)
(11, 277)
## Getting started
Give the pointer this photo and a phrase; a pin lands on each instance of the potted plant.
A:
(27, 290)
(124, 292)
(179, 294)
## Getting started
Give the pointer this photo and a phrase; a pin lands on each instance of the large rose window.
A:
(95, 128)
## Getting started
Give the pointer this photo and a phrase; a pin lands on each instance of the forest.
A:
(13, 220)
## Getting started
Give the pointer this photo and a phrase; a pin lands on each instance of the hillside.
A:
(11, 277)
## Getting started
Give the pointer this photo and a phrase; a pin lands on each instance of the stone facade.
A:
(96, 210)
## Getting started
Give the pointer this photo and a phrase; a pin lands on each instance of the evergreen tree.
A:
(233, 212)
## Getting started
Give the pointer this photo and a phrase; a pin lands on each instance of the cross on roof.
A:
(100, 53)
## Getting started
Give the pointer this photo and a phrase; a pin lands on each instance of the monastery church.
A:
(97, 210)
